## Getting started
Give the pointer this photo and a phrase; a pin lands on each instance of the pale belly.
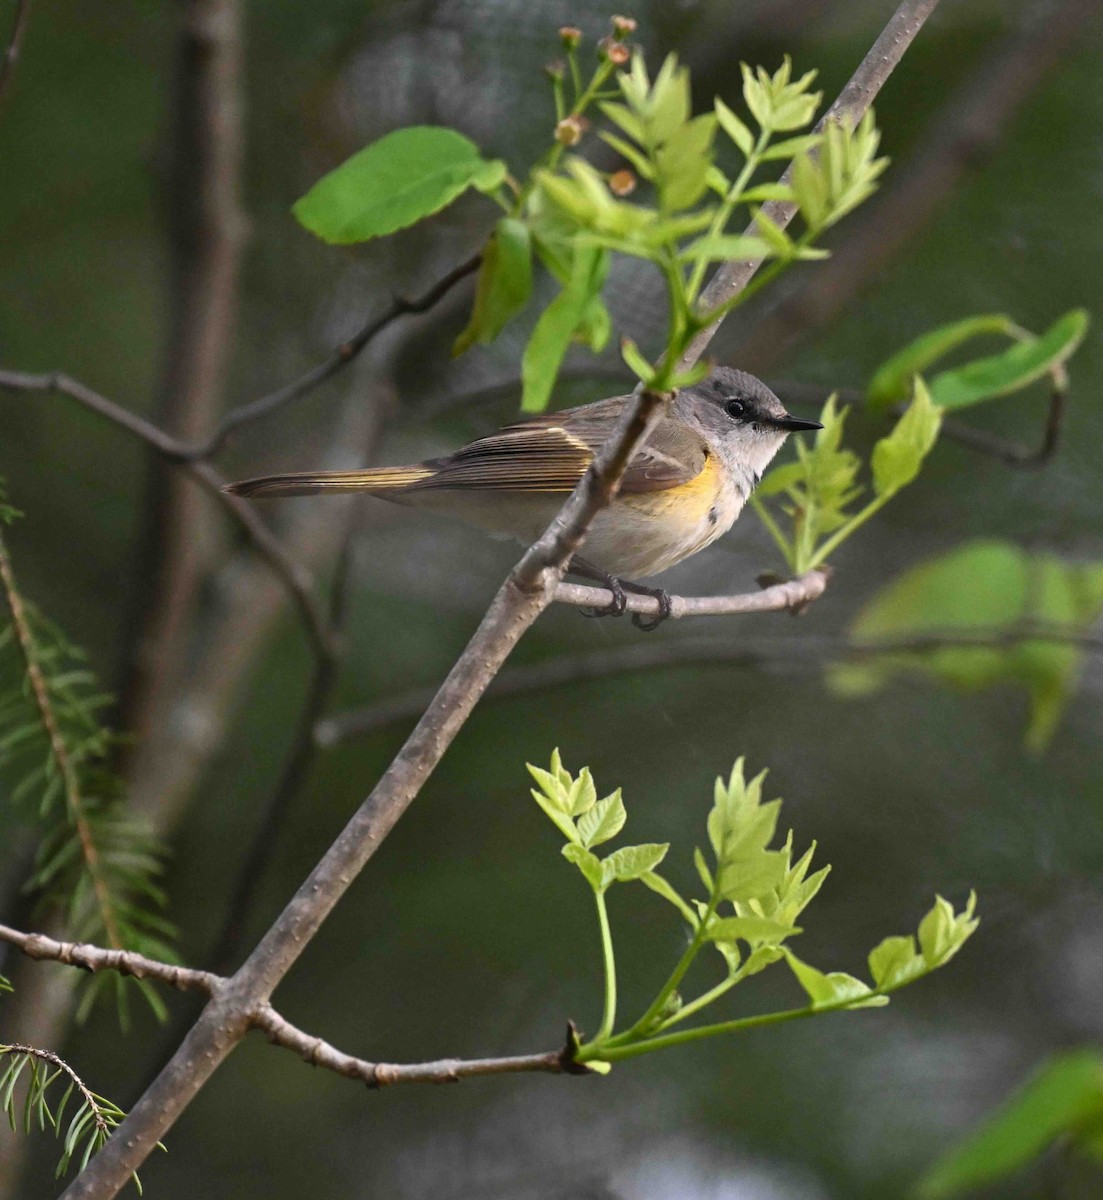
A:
(637, 536)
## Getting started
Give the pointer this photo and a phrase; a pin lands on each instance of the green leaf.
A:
(747, 880)
(894, 962)
(898, 457)
(589, 864)
(1063, 1097)
(635, 360)
(682, 164)
(892, 380)
(503, 286)
(603, 821)
(768, 191)
(582, 794)
(662, 888)
(993, 588)
(942, 933)
(791, 147)
(557, 324)
(632, 862)
(394, 183)
(734, 128)
(831, 989)
(750, 929)
(724, 248)
(1014, 369)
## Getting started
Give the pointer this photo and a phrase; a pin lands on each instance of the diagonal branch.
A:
(853, 101)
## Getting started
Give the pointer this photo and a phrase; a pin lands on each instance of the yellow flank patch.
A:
(689, 501)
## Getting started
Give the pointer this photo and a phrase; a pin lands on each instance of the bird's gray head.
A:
(741, 418)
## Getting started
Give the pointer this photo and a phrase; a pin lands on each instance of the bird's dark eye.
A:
(735, 409)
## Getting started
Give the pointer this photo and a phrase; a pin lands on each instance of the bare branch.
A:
(320, 1053)
(791, 596)
(278, 1029)
(959, 139)
(264, 406)
(295, 578)
(853, 101)
(95, 958)
(15, 45)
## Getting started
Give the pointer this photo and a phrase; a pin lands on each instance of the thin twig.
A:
(59, 750)
(320, 1053)
(91, 1100)
(676, 653)
(278, 1029)
(853, 101)
(264, 406)
(794, 595)
(96, 958)
(15, 45)
(959, 139)
(295, 578)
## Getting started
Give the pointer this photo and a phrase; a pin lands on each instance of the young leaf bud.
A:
(622, 183)
(570, 37)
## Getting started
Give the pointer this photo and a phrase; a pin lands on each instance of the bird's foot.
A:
(647, 624)
(616, 606)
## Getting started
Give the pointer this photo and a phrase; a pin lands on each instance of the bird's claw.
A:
(616, 607)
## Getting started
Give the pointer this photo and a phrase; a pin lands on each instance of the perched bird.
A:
(681, 491)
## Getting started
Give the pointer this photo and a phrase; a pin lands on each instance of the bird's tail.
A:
(306, 483)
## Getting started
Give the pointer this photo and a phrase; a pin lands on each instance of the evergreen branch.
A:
(91, 1124)
(59, 751)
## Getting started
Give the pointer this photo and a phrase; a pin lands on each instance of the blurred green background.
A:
(468, 935)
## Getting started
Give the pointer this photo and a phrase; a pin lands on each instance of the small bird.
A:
(683, 488)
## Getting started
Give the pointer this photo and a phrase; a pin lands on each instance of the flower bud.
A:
(569, 131)
(622, 27)
(570, 37)
(616, 52)
(556, 69)
(622, 183)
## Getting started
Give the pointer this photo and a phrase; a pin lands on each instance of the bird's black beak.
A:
(794, 424)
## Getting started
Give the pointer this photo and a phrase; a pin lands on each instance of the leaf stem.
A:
(840, 535)
(727, 207)
(774, 530)
(609, 1012)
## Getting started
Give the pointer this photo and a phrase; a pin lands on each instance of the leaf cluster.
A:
(819, 491)
(568, 216)
(752, 898)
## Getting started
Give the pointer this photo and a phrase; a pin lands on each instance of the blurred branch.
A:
(295, 578)
(207, 232)
(853, 101)
(296, 769)
(527, 591)
(959, 139)
(264, 406)
(676, 653)
(15, 44)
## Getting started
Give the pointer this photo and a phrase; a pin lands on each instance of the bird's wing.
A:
(550, 453)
